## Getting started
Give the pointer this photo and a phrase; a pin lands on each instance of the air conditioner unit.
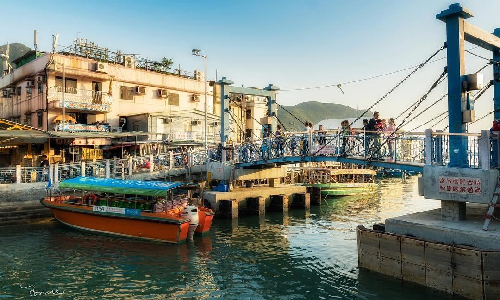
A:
(101, 67)
(40, 79)
(30, 83)
(129, 61)
(162, 93)
(167, 120)
(140, 90)
(196, 122)
(195, 98)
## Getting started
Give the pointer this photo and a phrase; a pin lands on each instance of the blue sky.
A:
(289, 43)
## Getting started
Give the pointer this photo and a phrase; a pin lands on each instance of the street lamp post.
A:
(196, 52)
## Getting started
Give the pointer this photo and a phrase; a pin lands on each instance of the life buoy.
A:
(91, 197)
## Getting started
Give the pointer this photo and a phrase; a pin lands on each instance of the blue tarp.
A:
(118, 186)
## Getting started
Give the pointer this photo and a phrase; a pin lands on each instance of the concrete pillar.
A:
(18, 173)
(130, 166)
(485, 150)
(453, 210)
(108, 168)
(56, 172)
(51, 173)
(228, 209)
(428, 146)
(256, 206)
(315, 195)
(151, 163)
(301, 200)
(279, 203)
(82, 166)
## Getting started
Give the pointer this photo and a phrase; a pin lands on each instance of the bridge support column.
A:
(428, 147)
(256, 206)
(301, 200)
(315, 197)
(496, 79)
(455, 39)
(82, 166)
(224, 108)
(228, 209)
(56, 172)
(279, 203)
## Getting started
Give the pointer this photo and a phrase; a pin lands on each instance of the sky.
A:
(293, 44)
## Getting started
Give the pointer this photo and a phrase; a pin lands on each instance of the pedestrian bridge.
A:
(408, 151)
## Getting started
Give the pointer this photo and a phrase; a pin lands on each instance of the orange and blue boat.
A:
(131, 208)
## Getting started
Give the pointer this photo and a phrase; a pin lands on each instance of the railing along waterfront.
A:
(396, 147)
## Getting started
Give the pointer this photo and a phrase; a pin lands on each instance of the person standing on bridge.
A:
(389, 131)
(279, 141)
(345, 131)
(374, 134)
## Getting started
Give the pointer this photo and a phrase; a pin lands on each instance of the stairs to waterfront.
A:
(15, 215)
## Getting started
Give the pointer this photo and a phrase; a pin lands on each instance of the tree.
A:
(166, 63)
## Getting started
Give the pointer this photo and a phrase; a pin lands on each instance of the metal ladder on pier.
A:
(494, 204)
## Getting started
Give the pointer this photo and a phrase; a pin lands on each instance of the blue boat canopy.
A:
(118, 186)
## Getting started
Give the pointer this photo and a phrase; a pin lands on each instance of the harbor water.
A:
(299, 255)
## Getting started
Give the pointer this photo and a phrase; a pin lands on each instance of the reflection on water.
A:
(298, 255)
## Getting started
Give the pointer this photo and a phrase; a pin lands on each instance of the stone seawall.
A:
(20, 203)
(455, 269)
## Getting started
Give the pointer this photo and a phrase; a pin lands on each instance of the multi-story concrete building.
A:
(86, 88)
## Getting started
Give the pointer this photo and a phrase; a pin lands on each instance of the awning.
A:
(117, 186)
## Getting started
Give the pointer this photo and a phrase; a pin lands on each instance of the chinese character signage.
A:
(460, 185)
(85, 105)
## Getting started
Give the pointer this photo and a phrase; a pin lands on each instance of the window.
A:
(126, 93)
(40, 88)
(173, 99)
(40, 118)
(27, 119)
(136, 126)
(248, 114)
(28, 93)
(248, 133)
(71, 85)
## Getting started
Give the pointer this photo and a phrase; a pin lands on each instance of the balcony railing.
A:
(80, 99)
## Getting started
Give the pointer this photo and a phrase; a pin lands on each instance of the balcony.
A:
(79, 99)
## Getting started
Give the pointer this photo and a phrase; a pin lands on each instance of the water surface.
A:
(299, 255)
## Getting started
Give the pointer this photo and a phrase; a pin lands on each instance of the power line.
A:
(358, 80)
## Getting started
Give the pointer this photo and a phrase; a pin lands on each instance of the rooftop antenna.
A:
(35, 40)
(55, 37)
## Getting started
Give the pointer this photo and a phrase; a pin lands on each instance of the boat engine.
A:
(191, 212)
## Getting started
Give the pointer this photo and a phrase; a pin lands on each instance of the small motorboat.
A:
(140, 209)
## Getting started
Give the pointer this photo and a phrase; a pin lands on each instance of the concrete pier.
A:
(315, 195)
(228, 209)
(256, 206)
(279, 203)
(241, 195)
(301, 200)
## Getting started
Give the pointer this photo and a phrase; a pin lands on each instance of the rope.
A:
(427, 108)
(290, 113)
(338, 85)
(420, 66)
(444, 112)
(433, 86)
(406, 110)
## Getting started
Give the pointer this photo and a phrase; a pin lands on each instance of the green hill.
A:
(314, 111)
(16, 50)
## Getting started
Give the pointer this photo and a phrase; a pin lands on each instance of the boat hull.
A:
(205, 217)
(153, 229)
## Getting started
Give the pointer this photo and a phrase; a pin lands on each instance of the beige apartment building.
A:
(105, 96)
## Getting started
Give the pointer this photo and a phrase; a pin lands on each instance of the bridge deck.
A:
(406, 166)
